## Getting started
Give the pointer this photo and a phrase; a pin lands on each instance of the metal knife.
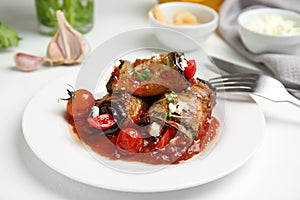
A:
(233, 68)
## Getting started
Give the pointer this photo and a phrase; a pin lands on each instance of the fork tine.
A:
(234, 88)
(239, 75)
(243, 82)
(257, 84)
(234, 83)
(231, 78)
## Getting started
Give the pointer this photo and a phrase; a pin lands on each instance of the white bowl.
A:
(206, 16)
(268, 43)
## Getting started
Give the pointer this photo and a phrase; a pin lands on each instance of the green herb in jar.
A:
(79, 13)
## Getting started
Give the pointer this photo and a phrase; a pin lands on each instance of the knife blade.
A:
(232, 68)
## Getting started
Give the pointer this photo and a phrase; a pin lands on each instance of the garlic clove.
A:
(68, 46)
(27, 63)
(54, 51)
(85, 47)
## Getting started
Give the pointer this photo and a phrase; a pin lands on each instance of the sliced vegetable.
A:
(190, 70)
(129, 140)
(166, 138)
(102, 122)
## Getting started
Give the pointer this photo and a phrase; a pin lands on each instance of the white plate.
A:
(49, 136)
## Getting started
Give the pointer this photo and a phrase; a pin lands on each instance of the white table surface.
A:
(272, 173)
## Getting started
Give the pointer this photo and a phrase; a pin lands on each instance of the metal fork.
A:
(257, 84)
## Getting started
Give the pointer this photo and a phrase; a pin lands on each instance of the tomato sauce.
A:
(179, 149)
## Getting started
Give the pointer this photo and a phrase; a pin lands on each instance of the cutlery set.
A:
(241, 79)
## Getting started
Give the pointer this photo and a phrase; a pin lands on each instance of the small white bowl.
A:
(268, 43)
(206, 16)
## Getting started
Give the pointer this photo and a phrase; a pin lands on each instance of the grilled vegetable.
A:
(186, 112)
(149, 77)
(122, 107)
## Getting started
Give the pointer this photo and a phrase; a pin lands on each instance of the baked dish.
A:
(155, 111)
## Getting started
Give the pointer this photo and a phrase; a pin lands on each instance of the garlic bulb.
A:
(67, 47)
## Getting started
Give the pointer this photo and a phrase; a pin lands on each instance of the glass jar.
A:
(215, 4)
(79, 13)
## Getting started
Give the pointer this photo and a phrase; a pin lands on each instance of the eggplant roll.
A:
(187, 112)
(124, 107)
(149, 77)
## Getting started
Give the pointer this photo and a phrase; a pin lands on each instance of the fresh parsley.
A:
(8, 36)
(145, 75)
(171, 96)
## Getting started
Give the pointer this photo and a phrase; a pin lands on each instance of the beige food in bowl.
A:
(182, 17)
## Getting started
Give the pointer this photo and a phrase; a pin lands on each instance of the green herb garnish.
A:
(140, 77)
(8, 36)
(145, 75)
(171, 96)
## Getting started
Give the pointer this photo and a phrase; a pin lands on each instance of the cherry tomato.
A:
(190, 70)
(102, 122)
(129, 140)
(165, 139)
(79, 103)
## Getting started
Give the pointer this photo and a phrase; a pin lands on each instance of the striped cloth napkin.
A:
(283, 66)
